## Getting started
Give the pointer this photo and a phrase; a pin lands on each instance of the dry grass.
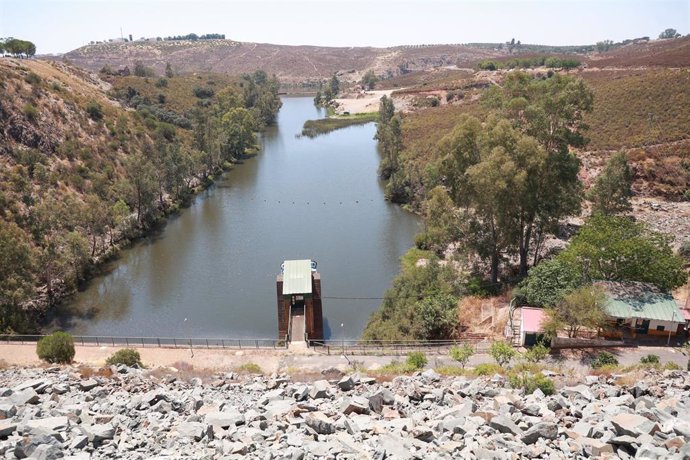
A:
(185, 371)
(87, 372)
(249, 368)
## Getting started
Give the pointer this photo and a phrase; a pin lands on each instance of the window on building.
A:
(660, 328)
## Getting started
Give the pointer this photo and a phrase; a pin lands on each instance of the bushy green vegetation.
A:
(531, 382)
(416, 360)
(430, 289)
(649, 359)
(127, 356)
(313, 128)
(603, 359)
(249, 368)
(484, 369)
(536, 353)
(461, 354)
(530, 62)
(582, 308)
(56, 348)
(502, 352)
(612, 190)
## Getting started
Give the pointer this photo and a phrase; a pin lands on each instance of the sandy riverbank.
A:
(363, 102)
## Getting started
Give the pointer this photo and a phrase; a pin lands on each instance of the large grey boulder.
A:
(543, 430)
(503, 424)
(319, 422)
(356, 404)
(24, 397)
(633, 425)
(224, 419)
(194, 430)
(7, 427)
(28, 444)
(49, 423)
(320, 390)
(381, 398)
(97, 434)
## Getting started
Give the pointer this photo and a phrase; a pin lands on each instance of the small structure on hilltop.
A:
(298, 289)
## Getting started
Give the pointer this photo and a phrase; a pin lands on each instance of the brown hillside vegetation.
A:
(81, 175)
(292, 64)
(658, 53)
(641, 111)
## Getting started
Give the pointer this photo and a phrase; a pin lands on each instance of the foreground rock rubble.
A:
(56, 413)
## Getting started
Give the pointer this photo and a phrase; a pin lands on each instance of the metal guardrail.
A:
(393, 347)
(157, 342)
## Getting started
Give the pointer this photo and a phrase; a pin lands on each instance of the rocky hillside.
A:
(81, 174)
(134, 414)
(292, 64)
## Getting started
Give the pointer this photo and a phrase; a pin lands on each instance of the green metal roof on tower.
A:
(297, 277)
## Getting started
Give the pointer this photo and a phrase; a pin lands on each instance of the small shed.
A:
(298, 289)
(531, 330)
(643, 308)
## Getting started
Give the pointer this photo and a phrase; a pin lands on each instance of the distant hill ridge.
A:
(292, 64)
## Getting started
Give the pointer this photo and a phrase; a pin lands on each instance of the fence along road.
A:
(329, 347)
(157, 342)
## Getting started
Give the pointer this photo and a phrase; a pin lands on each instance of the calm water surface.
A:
(211, 272)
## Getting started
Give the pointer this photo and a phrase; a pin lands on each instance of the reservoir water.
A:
(211, 271)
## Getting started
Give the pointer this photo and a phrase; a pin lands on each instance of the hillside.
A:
(81, 174)
(292, 64)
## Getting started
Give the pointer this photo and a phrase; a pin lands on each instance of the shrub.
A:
(161, 83)
(487, 369)
(450, 371)
(127, 356)
(649, 359)
(461, 354)
(203, 93)
(30, 112)
(671, 366)
(56, 348)
(530, 383)
(604, 359)
(502, 352)
(250, 368)
(32, 79)
(416, 360)
(94, 110)
(537, 353)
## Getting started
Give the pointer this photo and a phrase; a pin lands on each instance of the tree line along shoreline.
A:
(72, 207)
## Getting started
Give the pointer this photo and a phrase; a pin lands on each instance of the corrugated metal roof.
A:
(297, 277)
(640, 300)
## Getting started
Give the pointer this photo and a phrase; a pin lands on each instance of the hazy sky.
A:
(61, 25)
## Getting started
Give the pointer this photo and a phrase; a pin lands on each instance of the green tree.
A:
(141, 176)
(548, 282)
(318, 97)
(438, 317)
(369, 80)
(461, 354)
(441, 221)
(615, 248)
(168, 70)
(334, 85)
(669, 33)
(56, 348)
(552, 112)
(398, 317)
(17, 268)
(502, 352)
(612, 190)
(238, 133)
(581, 308)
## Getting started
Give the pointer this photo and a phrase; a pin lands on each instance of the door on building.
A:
(642, 326)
